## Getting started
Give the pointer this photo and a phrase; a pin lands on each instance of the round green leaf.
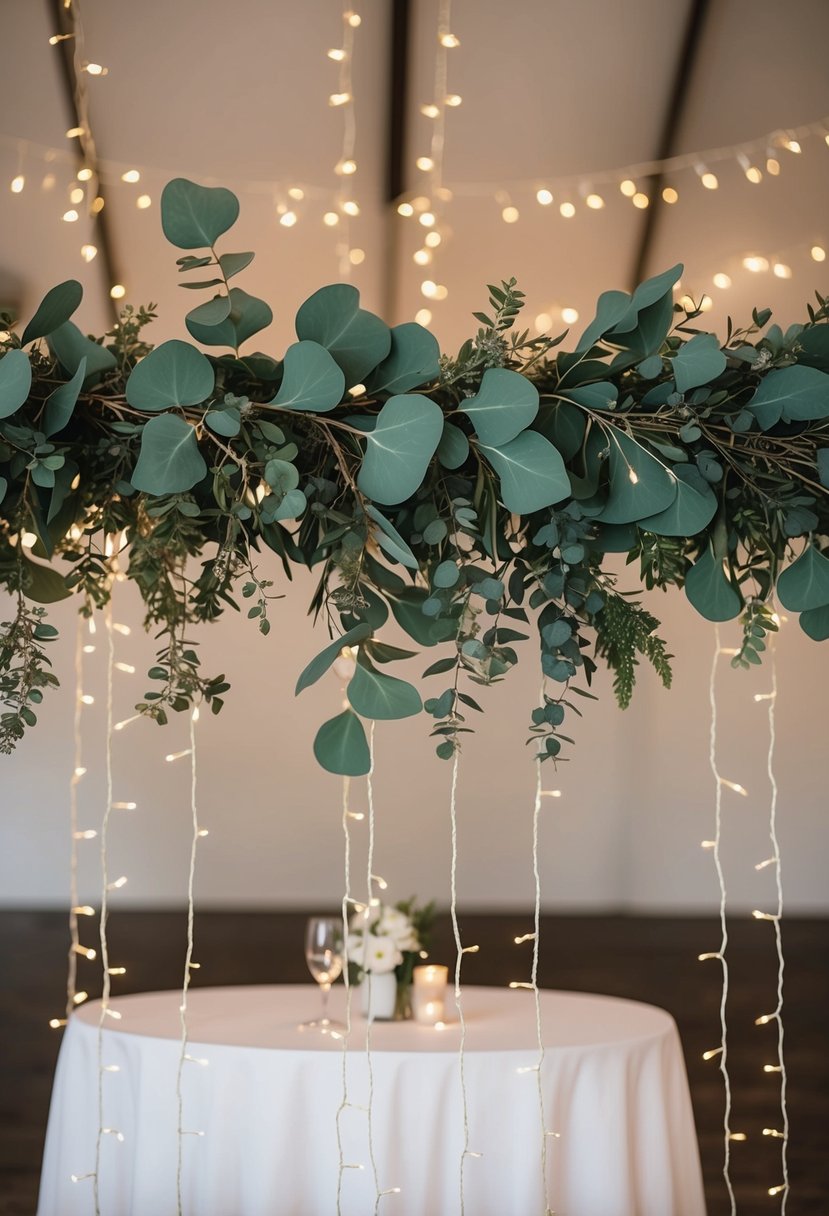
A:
(805, 583)
(446, 574)
(357, 339)
(640, 485)
(531, 473)
(414, 359)
(193, 216)
(169, 461)
(311, 379)
(320, 664)
(174, 374)
(281, 475)
(691, 511)
(70, 347)
(341, 746)
(375, 695)
(248, 315)
(56, 307)
(697, 362)
(453, 448)
(710, 591)
(791, 393)
(399, 448)
(815, 623)
(504, 406)
(62, 402)
(15, 381)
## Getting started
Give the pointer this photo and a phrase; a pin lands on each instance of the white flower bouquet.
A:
(385, 938)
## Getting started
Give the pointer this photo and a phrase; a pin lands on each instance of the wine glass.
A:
(324, 956)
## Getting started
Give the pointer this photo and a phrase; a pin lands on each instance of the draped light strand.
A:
(105, 889)
(347, 902)
(536, 993)
(367, 980)
(345, 168)
(77, 774)
(184, 1056)
(777, 1016)
(722, 1050)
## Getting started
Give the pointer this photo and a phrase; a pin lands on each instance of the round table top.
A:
(497, 1020)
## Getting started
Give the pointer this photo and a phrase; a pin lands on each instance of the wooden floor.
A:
(648, 959)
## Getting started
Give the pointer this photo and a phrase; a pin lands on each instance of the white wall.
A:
(637, 795)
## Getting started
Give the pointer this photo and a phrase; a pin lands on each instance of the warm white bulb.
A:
(428, 288)
(88, 252)
(421, 257)
(405, 209)
(544, 197)
(339, 99)
(427, 219)
(430, 110)
(287, 219)
(298, 194)
(709, 181)
(95, 69)
(345, 167)
(754, 175)
(640, 200)
(423, 316)
(17, 184)
(628, 187)
(793, 145)
(330, 219)
(755, 264)
(353, 19)
(454, 99)
(131, 175)
(543, 322)
(670, 196)
(569, 315)
(722, 281)
(432, 239)
(48, 182)
(441, 292)
(818, 253)
(782, 271)
(450, 41)
(350, 207)
(356, 256)
(568, 210)
(143, 202)
(84, 175)
(425, 163)
(773, 166)
(510, 215)
(595, 202)
(70, 217)
(76, 195)
(337, 54)
(118, 291)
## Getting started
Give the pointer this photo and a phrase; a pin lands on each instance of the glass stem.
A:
(325, 989)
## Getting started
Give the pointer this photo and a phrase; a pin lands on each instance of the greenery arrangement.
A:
(390, 937)
(466, 496)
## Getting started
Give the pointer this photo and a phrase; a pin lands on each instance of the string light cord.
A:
(77, 774)
(106, 983)
(369, 1020)
(453, 821)
(534, 979)
(188, 957)
(347, 901)
(778, 937)
(723, 1049)
(346, 166)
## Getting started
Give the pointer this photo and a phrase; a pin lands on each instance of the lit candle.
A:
(428, 994)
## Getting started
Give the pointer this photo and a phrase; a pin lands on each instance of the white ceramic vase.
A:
(378, 996)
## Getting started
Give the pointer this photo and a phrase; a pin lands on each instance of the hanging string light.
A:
(346, 167)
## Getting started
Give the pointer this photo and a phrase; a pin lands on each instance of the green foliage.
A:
(473, 511)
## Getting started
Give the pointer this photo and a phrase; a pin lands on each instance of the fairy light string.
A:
(534, 975)
(345, 168)
(184, 1056)
(346, 903)
(722, 1050)
(777, 1016)
(378, 1194)
(77, 774)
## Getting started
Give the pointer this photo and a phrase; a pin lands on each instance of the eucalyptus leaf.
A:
(169, 461)
(43, 584)
(326, 658)
(390, 539)
(505, 404)
(400, 447)
(378, 696)
(640, 485)
(70, 346)
(223, 422)
(341, 746)
(691, 511)
(211, 312)
(710, 591)
(531, 473)
(357, 339)
(15, 381)
(791, 393)
(698, 361)
(805, 583)
(311, 379)
(193, 216)
(564, 424)
(815, 623)
(233, 263)
(62, 402)
(453, 449)
(248, 315)
(601, 395)
(174, 374)
(57, 306)
(413, 360)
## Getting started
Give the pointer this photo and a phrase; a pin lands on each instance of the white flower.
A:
(380, 955)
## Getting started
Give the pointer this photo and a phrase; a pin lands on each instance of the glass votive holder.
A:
(429, 993)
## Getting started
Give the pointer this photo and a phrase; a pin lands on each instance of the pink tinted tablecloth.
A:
(613, 1082)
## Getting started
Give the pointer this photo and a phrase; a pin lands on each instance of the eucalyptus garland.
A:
(474, 498)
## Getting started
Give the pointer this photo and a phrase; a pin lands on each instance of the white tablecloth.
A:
(613, 1081)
